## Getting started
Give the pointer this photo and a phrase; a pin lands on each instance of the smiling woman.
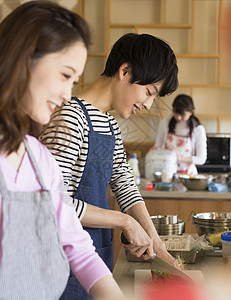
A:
(52, 79)
(43, 50)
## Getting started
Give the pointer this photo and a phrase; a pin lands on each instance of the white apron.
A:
(185, 147)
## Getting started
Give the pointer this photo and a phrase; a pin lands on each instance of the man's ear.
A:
(124, 70)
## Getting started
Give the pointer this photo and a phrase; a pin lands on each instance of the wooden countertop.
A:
(186, 195)
(209, 265)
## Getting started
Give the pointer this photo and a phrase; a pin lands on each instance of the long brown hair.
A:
(31, 31)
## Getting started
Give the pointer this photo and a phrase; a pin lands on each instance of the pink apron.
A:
(185, 147)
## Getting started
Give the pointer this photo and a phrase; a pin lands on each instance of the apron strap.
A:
(111, 128)
(88, 117)
(85, 112)
(35, 165)
(3, 187)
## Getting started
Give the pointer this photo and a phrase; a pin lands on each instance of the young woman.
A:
(43, 50)
(91, 154)
(183, 133)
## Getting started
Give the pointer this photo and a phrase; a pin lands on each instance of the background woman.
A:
(183, 133)
(91, 155)
(43, 50)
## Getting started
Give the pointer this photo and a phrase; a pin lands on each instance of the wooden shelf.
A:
(194, 33)
(167, 26)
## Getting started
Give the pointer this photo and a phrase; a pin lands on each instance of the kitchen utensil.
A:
(212, 222)
(197, 182)
(168, 229)
(164, 219)
(158, 264)
(188, 257)
(157, 176)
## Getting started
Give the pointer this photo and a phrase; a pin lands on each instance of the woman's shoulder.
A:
(40, 151)
(199, 128)
(42, 155)
(199, 131)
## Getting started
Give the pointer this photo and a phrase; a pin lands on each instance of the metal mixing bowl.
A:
(164, 219)
(197, 182)
(168, 229)
(212, 222)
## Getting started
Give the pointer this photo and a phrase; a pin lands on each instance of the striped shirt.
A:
(70, 149)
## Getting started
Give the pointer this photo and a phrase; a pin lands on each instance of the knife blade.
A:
(158, 264)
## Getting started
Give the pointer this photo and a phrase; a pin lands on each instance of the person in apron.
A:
(92, 189)
(26, 238)
(184, 134)
(90, 152)
(43, 50)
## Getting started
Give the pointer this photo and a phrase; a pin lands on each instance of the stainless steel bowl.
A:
(169, 229)
(212, 222)
(164, 219)
(197, 182)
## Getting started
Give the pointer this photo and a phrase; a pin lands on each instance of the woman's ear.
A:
(124, 70)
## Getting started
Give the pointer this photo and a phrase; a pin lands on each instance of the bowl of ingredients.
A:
(196, 182)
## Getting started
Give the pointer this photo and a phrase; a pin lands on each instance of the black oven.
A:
(218, 153)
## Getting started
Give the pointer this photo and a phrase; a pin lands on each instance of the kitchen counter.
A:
(186, 195)
(184, 204)
(212, 268)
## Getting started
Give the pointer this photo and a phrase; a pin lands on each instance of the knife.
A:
(160, 265)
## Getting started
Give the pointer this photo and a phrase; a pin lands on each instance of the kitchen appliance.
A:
(218, 154)
(159, 161)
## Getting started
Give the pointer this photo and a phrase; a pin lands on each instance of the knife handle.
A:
(126, 242)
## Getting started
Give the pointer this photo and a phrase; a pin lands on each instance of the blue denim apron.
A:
(92, 189)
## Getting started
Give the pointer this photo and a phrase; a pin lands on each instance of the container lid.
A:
(133, 155)
(226, 236)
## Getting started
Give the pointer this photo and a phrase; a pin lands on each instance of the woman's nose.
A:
(67, 92)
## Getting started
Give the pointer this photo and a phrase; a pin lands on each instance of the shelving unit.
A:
(193, 30)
